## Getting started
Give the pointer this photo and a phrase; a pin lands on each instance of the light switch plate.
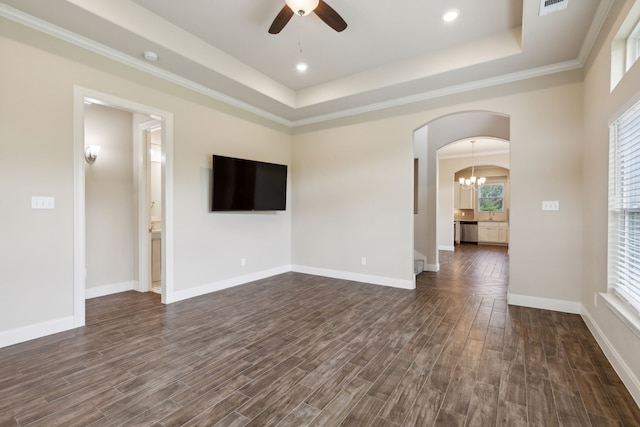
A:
(551, 205)
(40, 202)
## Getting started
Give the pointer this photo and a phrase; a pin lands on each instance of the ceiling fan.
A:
(303, 8)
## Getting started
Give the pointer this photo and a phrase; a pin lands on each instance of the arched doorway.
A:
(428, 139)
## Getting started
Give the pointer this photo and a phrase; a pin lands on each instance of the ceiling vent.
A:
(551, 6)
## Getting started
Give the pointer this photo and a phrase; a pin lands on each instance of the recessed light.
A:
(151, 56)
(450, 15)
(302, 67)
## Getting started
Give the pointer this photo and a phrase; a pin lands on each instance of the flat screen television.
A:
(247, 185)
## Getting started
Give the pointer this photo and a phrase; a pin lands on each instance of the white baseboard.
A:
(447, 248)
(112, 288)
(432, 267)
(356, 277)
(39, 330)
(628, 377)
(227, 283)
(26, 333)
(545, 303)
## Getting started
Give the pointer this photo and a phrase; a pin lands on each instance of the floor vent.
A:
(550, 6)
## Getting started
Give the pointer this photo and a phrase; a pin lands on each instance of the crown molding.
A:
(83, 42)
(447, 91)
(95, 47)
(596, 26)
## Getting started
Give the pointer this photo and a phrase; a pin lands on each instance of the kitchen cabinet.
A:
(493, 232)
(462, 198)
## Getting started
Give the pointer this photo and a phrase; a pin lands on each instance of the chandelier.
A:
(472, 183)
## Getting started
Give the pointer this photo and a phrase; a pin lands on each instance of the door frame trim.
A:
(79, 221)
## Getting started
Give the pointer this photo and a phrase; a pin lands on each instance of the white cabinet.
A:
(503, 234)
(493, 232)
(466, 199)
(462, 198)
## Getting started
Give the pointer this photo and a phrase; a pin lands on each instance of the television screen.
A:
(248, 185)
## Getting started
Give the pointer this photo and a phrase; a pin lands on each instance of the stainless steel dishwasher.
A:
(468, 232)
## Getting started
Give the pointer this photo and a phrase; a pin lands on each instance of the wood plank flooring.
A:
(300, 350)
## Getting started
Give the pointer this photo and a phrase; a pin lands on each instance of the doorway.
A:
(142, 115)
(152, 135)
(428, 139)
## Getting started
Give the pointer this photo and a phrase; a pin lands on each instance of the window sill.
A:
(622, 312)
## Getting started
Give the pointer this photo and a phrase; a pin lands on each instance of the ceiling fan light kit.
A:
(302, 7)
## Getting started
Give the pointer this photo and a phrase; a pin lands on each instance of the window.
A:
(625, 46)
(632, 46)
(624, 208)
(491, 198)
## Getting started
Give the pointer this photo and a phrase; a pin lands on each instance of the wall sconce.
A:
(91, 153)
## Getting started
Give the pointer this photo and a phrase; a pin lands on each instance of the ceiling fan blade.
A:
(330, 16)
(281, 20)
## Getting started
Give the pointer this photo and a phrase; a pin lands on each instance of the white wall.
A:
(109, 200)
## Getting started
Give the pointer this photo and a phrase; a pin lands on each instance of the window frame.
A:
(501, 198)
(625, 46)
(632, 46)
(623, 211)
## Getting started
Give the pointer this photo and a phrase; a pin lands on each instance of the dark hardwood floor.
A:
(297, 350)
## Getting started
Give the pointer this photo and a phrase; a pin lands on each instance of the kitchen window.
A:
(491, 198)
(624, 209)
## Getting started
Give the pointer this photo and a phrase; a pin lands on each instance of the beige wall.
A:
(353, 198)
(37, 158)
(600, 107)
(344, 161)
(447, 168)
(351, 184)
(109, 198)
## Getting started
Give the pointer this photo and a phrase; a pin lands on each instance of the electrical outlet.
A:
(243, 262)
(364, 260)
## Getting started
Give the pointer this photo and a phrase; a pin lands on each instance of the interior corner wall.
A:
(110, 224)
(36, 137)
(342, 206)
